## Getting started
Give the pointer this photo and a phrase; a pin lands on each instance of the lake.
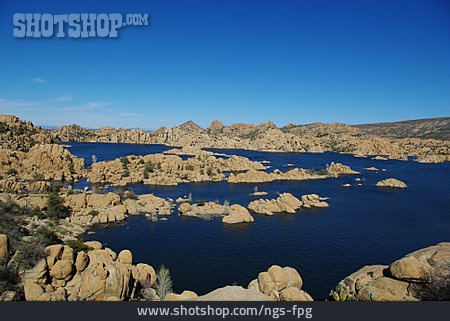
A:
(364, 225)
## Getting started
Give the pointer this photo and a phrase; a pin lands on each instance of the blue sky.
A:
(237, 61)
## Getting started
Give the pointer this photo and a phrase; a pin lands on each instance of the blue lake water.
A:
(364, 225)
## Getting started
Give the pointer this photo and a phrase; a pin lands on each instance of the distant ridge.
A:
(437, 128)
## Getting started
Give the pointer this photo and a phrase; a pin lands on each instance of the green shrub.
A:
(149, 167)
(11, 171)
(9, 279)
(29, 253)
(71, 168)
(78, 246)
(45, 236)
(189, 167)
(145, 174)
(201, 203)
(56, 207)
(209, 172)
(125, 162)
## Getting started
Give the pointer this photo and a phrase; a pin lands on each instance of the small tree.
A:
(56, 207)
(163, 284)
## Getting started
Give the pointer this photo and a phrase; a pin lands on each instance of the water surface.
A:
(363, 225)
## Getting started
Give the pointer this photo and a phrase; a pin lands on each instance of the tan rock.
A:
(238, 214)
(266, 284)
(280, 277)
(94, 245)
(234, 293)
(184, 296)
(61, 269)
(125, 256)
(82, 261)
(294, 294)
(391, 182)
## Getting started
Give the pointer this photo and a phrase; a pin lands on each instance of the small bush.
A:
(56, 207)
(45, 236)
(29, 253)
(201, 203)
(11, 171)
(124, 160)
(145, 174)
(38, 176)
(164, 283)
(149, 167)
(189, 167)
(209, 172)
(78, 246)
(125, 173)
(9, 278)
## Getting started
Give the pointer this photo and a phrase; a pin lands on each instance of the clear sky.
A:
(296, 61)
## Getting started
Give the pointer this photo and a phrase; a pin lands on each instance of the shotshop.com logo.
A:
(74, 25)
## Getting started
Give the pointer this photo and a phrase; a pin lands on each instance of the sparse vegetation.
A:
(201, 203)
(38, 176)
(163, 284)
(56, 207)
(11, 172)
(78, 246)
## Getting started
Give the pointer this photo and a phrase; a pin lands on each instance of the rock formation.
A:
(93, 275)
(161, 169)
(286, 203)
(16, 134)
(391, 182)
(206, 210)
(40, 163)
(266, 136)
(421, 275)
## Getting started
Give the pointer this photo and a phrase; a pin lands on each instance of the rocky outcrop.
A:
(286, 203)
(95, 275)
(255, 176)
(161, 169)
(391, 182)
(237, 214)
(206, 210)
(184, 296)
(16, 134)
(89, 208)
(40, 163)
(234, 293)
(281, 284)
(266, 136)
(421, 275)
(337, 169)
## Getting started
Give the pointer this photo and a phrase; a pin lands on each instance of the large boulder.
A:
(391, 182)
(125, 256)
(410, 278)
(184, 296)
(238, 214)
(234, 293)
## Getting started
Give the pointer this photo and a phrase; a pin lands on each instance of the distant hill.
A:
(437, 128)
